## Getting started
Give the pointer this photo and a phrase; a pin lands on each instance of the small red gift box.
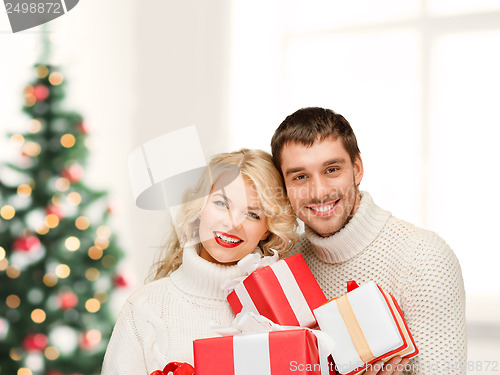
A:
(264, 353)
(285, 292)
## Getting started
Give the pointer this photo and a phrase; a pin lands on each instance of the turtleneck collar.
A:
(351, 240)
(199, 277)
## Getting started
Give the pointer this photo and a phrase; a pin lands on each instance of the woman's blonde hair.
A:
(258, 166)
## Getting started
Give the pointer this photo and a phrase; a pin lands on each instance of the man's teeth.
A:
(227, 239)
(323, 208)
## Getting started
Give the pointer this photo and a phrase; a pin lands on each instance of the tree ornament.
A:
(67, 300)
(90, 339)
(54, 210)
(28, 243)
(73, 173)
(120, 281)
(35, 342)
(41, 92)
(82, 127)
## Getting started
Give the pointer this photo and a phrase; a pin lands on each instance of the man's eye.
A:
(300, 177)
(332, 170)
(253, 215)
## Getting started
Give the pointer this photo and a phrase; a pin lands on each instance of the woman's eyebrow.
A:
(223, 196)
(254, 208)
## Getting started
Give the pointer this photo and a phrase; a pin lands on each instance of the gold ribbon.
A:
(354, 329)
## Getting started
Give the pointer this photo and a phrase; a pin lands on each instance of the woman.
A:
(238, 207)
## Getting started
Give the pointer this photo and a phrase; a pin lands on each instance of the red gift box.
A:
(285, 292)
(265, 353)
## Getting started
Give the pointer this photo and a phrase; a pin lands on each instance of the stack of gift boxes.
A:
(363, 326)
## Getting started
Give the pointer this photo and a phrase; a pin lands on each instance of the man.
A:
(348, 237)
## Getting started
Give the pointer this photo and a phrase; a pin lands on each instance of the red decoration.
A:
(67, 300)
(90, 339)
(35, 342)
(53, 372)
(82, 127)
(41, 92)
(120, 281)
(55, 210)
(28, 243)
(74, 173)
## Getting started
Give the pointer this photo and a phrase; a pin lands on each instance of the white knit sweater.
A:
(160, 320)
(416, 266)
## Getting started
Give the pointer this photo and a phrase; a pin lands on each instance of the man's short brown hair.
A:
(307, 125)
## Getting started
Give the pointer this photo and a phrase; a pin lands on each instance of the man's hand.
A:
(394, 367)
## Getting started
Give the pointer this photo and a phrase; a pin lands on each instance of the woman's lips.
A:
(227, 240)
(325, 209)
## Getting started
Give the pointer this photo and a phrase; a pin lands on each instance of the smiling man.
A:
(348, 237)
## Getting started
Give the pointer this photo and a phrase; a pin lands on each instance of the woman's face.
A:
(232, 222)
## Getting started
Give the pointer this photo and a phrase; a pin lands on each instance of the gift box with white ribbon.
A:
(264, 353)
(367, 325)
(286, 292)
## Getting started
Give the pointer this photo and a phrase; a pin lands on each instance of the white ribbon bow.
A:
(248, 264)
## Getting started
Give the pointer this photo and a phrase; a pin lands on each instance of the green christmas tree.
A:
(58, 256)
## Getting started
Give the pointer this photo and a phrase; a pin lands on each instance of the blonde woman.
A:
(238, 207)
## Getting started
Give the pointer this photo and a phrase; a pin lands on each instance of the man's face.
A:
(321, 183)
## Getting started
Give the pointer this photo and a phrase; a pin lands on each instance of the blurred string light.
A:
(51, 353)
(72, 243)
(35, 126)
(7, 212)
(32, 149)
(13, 301)
(74, 198)
(95, 253)
(51, 221)
(82, 222)
(56, 79)
(24, 190)
(92, 305)
(2, 253)
(41, 71)
(101, 296)
(13, 272)
(50, 280)
(92, 274)
(108, 261)
(62, 184)
(15, 354)
(17, 140)
(68, 140)
(38, 316)
(62, 271)
(24, 371)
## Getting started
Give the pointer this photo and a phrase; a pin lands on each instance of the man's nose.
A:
(318, 188)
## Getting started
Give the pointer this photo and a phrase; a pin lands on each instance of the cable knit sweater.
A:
(160, 320)
(416, 266)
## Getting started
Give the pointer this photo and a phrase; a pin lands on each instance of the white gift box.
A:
(367, 325)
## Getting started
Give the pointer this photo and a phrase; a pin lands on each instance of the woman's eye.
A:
(253, 215)
(221, 204)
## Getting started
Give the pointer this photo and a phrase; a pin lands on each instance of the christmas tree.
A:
(58, 256)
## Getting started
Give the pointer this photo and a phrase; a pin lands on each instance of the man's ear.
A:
(358, 170)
